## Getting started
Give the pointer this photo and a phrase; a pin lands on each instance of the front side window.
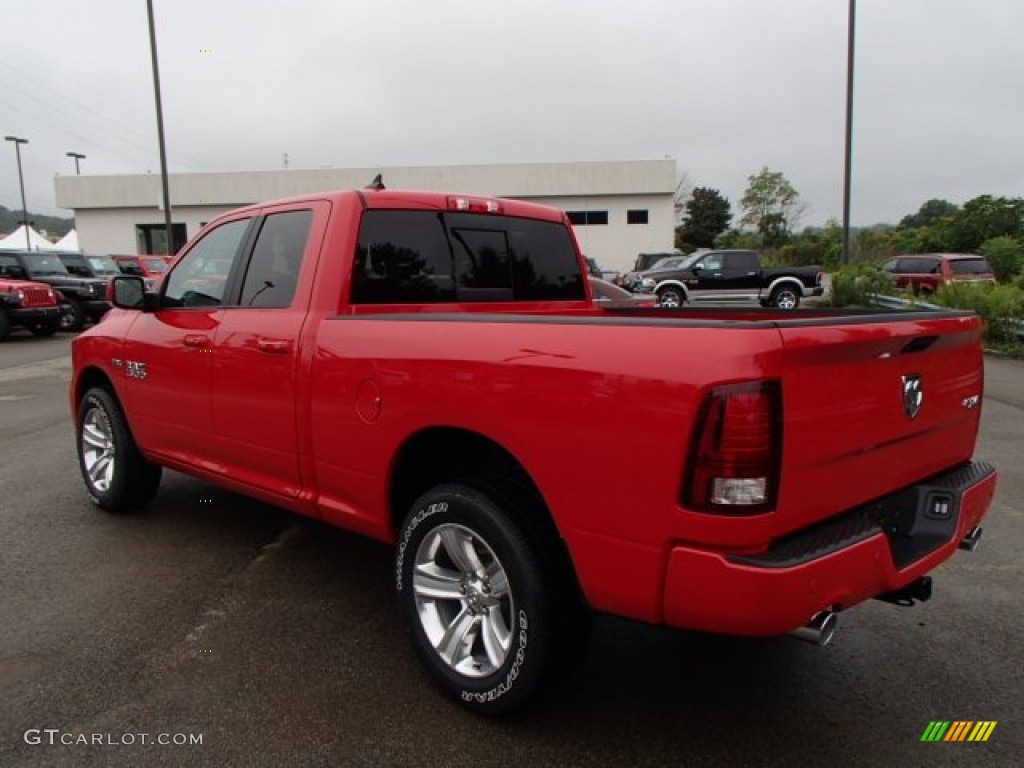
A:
(9, 267)
(273, 271)
(712, 262)
(199, 279)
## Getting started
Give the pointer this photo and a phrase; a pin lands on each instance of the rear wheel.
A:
(118, 478)
(476, 596)
(671, 297)
(785, 297)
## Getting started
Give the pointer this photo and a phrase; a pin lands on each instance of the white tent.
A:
(16, 241)
(68, 243)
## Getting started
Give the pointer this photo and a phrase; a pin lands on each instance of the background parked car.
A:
(923, 273)
(148, 267)
(609, 296)
(84, 298)
(90, 265)
(29, 305)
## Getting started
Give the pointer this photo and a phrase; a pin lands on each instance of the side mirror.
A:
(127, 292)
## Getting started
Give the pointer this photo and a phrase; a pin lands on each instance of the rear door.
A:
(871, 407)
(256, 350)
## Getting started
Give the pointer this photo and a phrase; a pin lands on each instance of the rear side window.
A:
(970, 267)
(745, 261)
(409, 257)
(273, 271)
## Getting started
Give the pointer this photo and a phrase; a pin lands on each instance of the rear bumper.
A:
(856, 556)
(817, 290)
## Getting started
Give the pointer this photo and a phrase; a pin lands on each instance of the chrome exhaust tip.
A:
(971, 541)
(819, 630)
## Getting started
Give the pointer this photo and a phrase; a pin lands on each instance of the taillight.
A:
(736, 450)
(474, 205)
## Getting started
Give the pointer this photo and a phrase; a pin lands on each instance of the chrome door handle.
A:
(197, 340)
(274, 346)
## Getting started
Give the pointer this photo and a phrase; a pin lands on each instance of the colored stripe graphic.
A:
(935, 730)
(959, 730)
(982, 730)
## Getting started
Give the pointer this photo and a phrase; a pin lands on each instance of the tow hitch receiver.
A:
(916, 591)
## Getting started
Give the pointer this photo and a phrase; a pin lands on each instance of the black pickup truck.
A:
(726, 276)
(84, 297)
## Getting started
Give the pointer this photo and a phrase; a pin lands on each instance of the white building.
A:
(618, 209)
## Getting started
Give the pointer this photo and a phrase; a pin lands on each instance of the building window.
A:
(638, 216)
(584, 218)
(152, 238)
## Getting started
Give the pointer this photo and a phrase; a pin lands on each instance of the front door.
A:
(166, 357)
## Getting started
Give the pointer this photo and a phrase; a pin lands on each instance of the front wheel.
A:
(785, 297)
(671, 297)
(117, 476)
(45, 328)
(73, 317)
(473, 597)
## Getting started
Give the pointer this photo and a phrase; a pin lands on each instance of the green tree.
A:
(771, 206)
(932, 212)
(707, 215)
(981, 219)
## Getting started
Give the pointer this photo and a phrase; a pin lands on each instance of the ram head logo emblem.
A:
(913, 395)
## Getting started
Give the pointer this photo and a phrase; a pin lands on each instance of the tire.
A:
(5, 324)
(474, 598)
(74, 318)
(785, 297)
(45, 329)
(671, 297)
(117, 477)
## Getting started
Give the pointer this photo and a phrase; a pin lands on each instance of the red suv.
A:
(924, 272)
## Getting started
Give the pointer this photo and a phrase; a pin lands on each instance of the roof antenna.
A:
(377, 183)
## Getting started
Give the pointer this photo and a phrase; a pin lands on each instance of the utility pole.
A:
(160, 131)
(21, 183)
(850, 28)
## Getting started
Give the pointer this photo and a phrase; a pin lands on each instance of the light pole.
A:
(77, 157)
(160, 130)
(850, 28)
(21, 183)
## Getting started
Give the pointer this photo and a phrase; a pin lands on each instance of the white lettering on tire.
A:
(513, 672)
(423, 514)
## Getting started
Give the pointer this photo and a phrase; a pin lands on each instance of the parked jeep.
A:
(29, 305)
(84, 297)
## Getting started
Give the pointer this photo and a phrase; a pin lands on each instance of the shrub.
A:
(1001, 307)
(852, 285)
(1006, 255)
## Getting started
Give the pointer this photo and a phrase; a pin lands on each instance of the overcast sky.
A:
(723, 86)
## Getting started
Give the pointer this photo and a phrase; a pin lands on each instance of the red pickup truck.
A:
(430, 370)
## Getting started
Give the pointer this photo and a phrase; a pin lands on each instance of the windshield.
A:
(676, 263)
(103, 265)
(43, 264)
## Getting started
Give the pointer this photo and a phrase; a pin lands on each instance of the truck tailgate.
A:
(873, 407)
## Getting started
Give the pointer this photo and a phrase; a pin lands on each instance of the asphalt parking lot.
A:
(275, 639)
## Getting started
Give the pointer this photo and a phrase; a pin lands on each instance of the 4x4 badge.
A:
(912, 394)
